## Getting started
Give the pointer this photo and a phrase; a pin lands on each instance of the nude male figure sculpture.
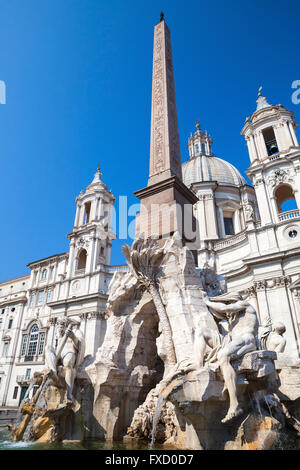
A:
(240, 339)
(68, 354)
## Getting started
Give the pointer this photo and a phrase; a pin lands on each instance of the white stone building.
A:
(251, 235)
(72, 284)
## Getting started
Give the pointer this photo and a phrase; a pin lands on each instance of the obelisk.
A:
(166, 201)
(164, 148)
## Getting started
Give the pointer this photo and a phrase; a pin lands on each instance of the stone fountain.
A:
(183, 362)
(169, 369)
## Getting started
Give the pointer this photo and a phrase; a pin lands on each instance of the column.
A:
(262, 301)
(296, 298)
(71, 259)
(77, 216)
(278, 137)
(221, 222)
(287, 135)
(262, 201)
(108, 252)
(90, 257)
(201, 217)
(81, 215)
(93, 332)
(262, 145)
(237, 221)
(274, 209)
(254, 149)
(93, 213)
(293, 133)
(211, 220)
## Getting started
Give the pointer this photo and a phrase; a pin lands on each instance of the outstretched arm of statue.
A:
(215, 312)
(225, 309)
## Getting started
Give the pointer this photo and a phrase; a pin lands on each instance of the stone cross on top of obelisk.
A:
(164, 148)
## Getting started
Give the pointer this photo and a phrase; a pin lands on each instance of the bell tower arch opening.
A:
(270, 141)
(285, 198)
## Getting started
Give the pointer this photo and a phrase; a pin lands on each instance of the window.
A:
(27, 375)
(197, 149)
(270, 141)
(31, 303)
(51, 272)
(87, 210)
(293, 234)
(35, 276)
(228, 223)
(16, 389)
(82, 259)
(203, 148)
(5, 348)
(49, 292)
(44, 274)
(285, 198)
(41, 343)
(1, 324)
(33, 340)
(40, 297)
(3, 311)
(10, 323)
(24, 345)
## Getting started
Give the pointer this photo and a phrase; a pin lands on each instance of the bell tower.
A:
(274, 153)
(91, 237)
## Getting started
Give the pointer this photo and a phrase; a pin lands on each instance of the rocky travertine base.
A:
(168, 431)
(135, 354)
(50, 419)
(197, 402)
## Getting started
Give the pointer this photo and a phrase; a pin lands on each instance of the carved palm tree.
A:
(144, 259)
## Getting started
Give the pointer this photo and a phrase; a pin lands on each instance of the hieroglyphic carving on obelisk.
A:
(164, 149)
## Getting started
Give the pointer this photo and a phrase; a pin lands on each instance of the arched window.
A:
(285, 198)
(81, 265)
(87, 212)
(33, 340)
(44, 274)
(270, 141)
(33, 343)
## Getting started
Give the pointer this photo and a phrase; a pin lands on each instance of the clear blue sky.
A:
(78, 78)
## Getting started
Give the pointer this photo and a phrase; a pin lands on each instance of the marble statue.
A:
(271, 337)
(275, 341)
(211, 281)
(249, 212)
(67, 357)
(239, 340)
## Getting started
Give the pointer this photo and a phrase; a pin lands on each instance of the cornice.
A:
(45, 261)
(65, 302)
(172, 182)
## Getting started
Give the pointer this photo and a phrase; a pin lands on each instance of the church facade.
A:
(250, 234)
(72, 284)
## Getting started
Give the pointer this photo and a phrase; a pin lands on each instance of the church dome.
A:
(209, 168)
(204, 166)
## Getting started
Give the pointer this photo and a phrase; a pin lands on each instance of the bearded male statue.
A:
(240, 339)
(65, 360)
